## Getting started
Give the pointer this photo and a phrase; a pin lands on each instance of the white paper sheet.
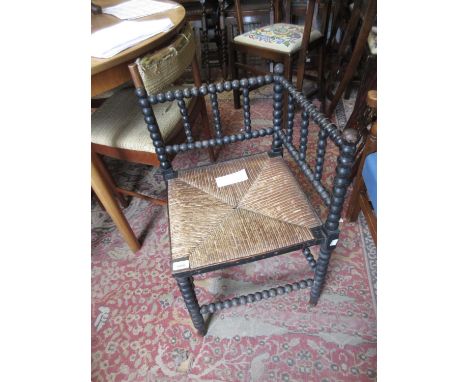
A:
(135, 9)
(235, 177)
(109, 41)
(182, 264)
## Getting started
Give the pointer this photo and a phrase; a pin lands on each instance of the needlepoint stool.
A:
(281, 37)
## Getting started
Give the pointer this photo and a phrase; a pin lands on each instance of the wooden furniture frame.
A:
(107, 74)
(325, 235)
(189, 115)
(295, 11)
(365, 107)
(254, 13)
(202, 16)
(359, 200)
(350, 52)
(276, 56)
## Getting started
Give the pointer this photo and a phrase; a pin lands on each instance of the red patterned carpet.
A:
(141, 330)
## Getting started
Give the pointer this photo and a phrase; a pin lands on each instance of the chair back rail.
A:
(275, 14)
(345, 141)
(278, 17)
(350, 49)
(160, 68)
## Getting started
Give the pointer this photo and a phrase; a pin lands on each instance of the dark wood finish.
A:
(256, 296)
(304, 133)
(223, 38)
(359, 200)
(365, 109)
(325, 235)
(278, 107)
(310, 258)
(290, 124)
(320, 156)
(187, 291)
(204, 114)
(207, 19)
(320, 272)
(349, 55)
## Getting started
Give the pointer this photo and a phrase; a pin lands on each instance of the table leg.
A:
(104, 194)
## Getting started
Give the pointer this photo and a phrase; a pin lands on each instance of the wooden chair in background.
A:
(364, 195)
(364, 111)
(342, 66)
(255, 14)
(117, 129)
(279, 43)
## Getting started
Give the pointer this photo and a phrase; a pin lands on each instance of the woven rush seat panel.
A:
(211, 225)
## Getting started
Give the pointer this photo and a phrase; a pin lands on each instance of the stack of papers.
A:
(109, 41)
(135, 9)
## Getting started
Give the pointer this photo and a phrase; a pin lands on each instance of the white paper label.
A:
(178, 265)
(333, 242)
(235, 177)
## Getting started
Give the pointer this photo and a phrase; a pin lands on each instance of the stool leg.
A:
(234, 74)
(104, 193)
(310, 258)
(288, 74)
(108, 178)
(222, 30)
(320, 273)
(188, 293)
(320, 81)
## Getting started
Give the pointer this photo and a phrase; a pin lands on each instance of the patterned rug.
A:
(141, 330)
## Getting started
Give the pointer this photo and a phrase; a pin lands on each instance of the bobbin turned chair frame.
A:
(325, 235)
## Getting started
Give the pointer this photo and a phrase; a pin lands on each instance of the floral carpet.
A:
(141, 330)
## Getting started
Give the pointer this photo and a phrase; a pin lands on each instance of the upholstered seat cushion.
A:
(210, 225)
(280, 37)
(119, 122)
(369, 175)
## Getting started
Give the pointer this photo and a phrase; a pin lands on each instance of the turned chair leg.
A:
(288, 74)
(310, 258)
(222, 30)
(234, 75)
(204, 114)
(320, 82)
(188, 293)
(320, 272)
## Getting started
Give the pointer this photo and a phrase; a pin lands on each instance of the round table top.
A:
(177, 16)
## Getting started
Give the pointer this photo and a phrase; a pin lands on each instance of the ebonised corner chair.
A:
(214, 226)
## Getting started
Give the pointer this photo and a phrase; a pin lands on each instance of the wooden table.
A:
(107, 74)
